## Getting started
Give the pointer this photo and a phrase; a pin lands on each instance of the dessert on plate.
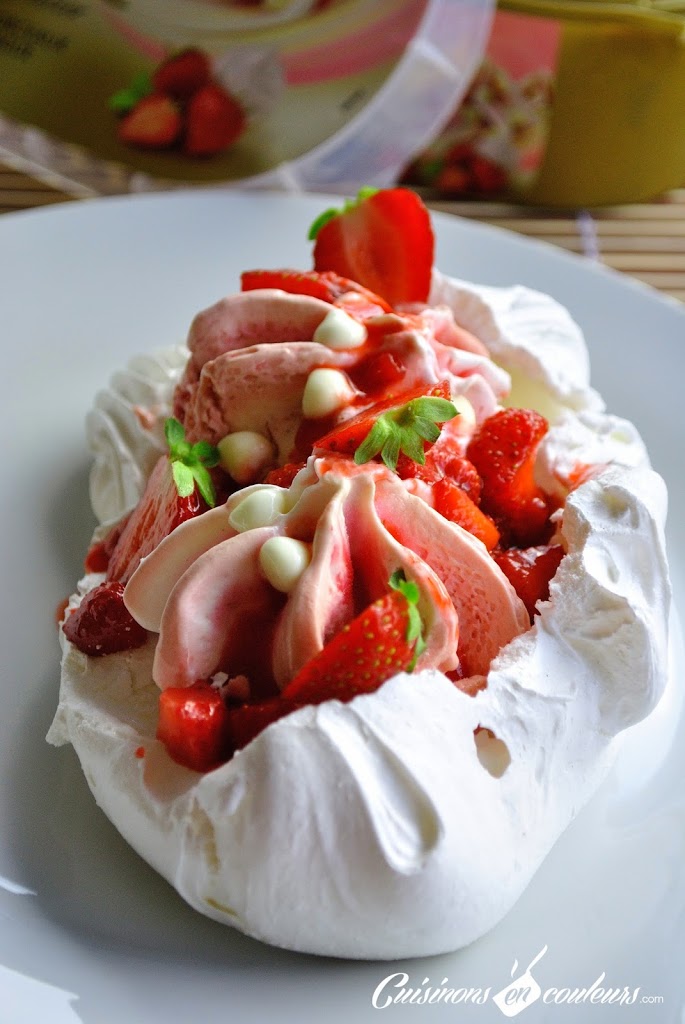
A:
(377, 587)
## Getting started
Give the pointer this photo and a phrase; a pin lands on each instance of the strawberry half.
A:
(384, 640)
(160, 510)
(405, 423)
(182, 74)
(153, 123)
(327, 286)
(503, 451)
(214, 120)
(179, 488)
(455, 505)
(529, 570)
(383, 239)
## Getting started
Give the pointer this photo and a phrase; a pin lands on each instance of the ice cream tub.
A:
(576, 103)
(117, 95)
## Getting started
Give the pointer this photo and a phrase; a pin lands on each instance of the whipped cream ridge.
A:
(408, 821)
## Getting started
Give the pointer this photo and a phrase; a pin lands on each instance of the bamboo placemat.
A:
(645, 240)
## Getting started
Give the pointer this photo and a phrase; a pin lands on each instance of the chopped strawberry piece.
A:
(153, 123)
(247, 720)
(182, 74)
(364, 654)
(382, 373)
(455, 505)
(102, 624)
(159, 511)
(327, 286)
(346, 438)
(529, 570)
(384, 240)
(214, 120)
(100, 553)
(503, 451)
(283, 476)
(193, 726)
(444, 461)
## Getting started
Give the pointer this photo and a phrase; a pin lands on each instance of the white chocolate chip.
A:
(326, 391)
(260, 508)
(283, 560)
(245, 455)
(338, 330)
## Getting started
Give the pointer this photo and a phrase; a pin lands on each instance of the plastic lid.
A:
(402, 92)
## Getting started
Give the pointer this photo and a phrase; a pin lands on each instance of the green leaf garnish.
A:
(183, 478)
(398, 581)
(333, 211)
(125, 99)
(190, 463)
(404, 430)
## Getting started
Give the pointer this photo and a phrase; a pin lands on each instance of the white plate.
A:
(89, 933)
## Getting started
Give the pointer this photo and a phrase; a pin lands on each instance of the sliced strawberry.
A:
(193, 726)
(349, 435)
(283, 476)
(327, 286)
(248, 720)
(159, 511)
(382, 373)
(100, 553)
(384, 240)
(214, 120)
(529, 570)
(503, 451)
(376, 645)
(102, 623)
(444, 461)
(455, 505)
(182, 74)
(153, 123)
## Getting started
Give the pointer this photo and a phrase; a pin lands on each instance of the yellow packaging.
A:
(611, 127)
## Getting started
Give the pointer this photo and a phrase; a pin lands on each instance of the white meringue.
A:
(380, 828)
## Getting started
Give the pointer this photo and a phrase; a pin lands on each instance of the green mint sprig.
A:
(398, 581)
(335, 211)
(405, 430)
(125, 99)
(190, 463)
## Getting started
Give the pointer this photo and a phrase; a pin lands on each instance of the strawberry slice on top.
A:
(386, 638)
(404, 424)
(383, 239)
(327, 286)
(179, 488)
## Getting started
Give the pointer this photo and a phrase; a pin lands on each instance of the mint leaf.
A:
(374, 441)
(365, 192)
(409, 589)
(204, 484)
(439, 410)
(405, 429)
(206, 453)
(190, 464)
(183, 478)
(125, 99)
(322, 219)
(174, 433)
